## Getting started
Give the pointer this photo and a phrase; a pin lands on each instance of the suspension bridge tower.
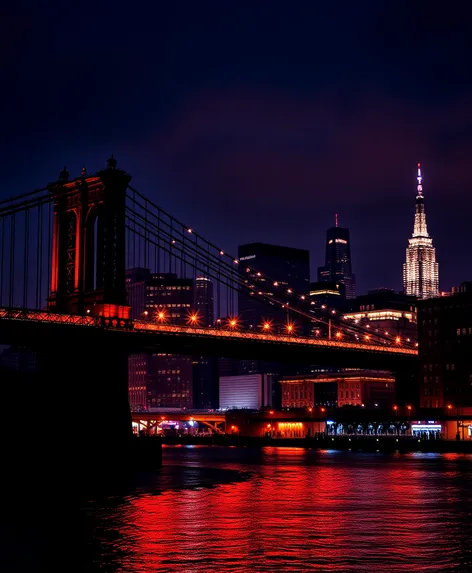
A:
(88, 245)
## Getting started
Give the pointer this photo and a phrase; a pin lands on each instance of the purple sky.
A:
(256, 121)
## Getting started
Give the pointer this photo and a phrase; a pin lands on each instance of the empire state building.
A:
(420, 270)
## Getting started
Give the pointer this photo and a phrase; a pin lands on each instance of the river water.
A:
(287, 510)
(244, 510)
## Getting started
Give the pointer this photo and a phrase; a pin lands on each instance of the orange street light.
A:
(266, 326)
(338, 335)
(193, 319)
(289, 328)
(397, 340)
(233, 322)
(161, 316)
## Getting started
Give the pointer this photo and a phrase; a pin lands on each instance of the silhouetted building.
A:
(275, 270)
(338, 266)
(289, 268)
(420, 270)
(445, 350)
(159, 380)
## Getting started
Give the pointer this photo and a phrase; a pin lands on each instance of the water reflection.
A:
(289, 510)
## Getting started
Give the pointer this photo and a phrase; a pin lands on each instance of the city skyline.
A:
(262, 139)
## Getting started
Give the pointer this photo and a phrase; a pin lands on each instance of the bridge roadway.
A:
(34, 329)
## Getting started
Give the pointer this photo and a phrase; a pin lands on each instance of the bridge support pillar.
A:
(86, 410)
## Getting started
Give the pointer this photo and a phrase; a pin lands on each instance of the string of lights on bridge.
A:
(234, 323)
(219, 262)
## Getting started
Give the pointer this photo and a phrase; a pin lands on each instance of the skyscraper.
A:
(204, 301)
(338, 267)
(288, 266)
(205, 369)
(420, 270)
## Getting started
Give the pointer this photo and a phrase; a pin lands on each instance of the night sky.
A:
(255, 121)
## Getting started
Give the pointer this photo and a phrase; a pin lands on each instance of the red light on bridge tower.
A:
(88, 249)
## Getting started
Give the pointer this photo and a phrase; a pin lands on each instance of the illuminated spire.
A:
(336, 219)
(420, 228)
(420, 270)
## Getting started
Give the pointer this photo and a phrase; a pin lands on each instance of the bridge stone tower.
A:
(88, 250)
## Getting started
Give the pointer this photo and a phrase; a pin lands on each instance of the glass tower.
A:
(420, 270)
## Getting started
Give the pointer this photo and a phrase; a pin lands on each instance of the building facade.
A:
(159, 380)
(445, 350)
(420, 270)
(386, 312)
(331, 390)
(250, 391)
(338, 265)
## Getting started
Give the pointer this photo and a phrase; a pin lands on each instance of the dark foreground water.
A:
(282, 510)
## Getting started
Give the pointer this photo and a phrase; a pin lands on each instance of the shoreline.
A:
(342, 443)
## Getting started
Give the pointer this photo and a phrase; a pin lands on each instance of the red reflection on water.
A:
(296, 511)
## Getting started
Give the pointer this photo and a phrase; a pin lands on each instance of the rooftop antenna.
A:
(336, 219)
(419, 187)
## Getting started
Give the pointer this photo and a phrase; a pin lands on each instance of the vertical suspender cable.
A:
(12, 260)
(2, 221)
(25, 261)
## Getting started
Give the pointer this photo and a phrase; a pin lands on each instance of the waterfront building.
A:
(445, 348)
(420, 270)
(338, 266)
(371, 389)
(250, 391)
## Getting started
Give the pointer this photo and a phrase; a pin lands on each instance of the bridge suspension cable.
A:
(182, 242)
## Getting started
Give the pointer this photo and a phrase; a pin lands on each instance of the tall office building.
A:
(338, 267)
(420, 270)
(204, 301)
(205, 369)
(159, 380)
(290, 269)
